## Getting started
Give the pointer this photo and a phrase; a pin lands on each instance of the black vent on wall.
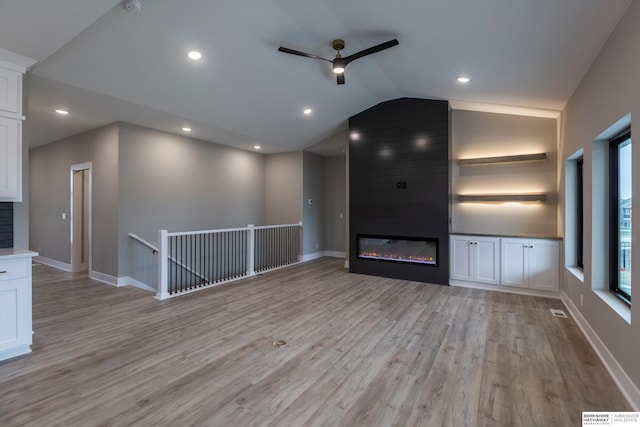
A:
(399, 183)
(6, 225)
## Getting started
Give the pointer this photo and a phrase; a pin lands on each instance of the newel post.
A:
(163, 265)
(251, 242)
(300, 244)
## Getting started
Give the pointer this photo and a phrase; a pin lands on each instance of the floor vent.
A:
(558, 313)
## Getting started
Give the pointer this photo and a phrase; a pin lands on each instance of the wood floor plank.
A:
(361, 351)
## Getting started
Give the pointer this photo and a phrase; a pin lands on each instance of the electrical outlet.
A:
(64, 216)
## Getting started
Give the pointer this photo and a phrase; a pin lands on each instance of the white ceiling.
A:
(105, 64)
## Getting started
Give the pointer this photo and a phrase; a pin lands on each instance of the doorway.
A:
(80, 217)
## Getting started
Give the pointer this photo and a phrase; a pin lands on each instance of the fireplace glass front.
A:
(405, 249)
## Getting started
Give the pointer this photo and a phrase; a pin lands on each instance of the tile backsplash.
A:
(6, 225)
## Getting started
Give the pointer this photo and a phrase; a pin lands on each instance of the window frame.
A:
(614, 214)
(579, 212)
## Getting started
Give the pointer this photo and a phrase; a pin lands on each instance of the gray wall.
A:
(480, 134)
(178, 183)
(50, 196)
(335, 201)
(608, 92)
(283, 188)
(313, 189)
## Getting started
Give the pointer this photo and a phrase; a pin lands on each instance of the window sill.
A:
(577, 272)
(616, 304)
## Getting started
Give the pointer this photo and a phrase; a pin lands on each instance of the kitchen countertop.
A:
(516, 236)
(8, 253)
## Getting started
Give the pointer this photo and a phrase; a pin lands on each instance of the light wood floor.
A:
(360, 351)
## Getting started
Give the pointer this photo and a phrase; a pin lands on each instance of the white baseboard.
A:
(15, 352)
(104, 278)
(309, 257)
(620, 377)
(53, 263)
(130, 281)
(346, 263)
(507, 289)
(335, 254)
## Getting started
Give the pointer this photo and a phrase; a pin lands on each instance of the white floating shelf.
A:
(502, 198)
(503, 159)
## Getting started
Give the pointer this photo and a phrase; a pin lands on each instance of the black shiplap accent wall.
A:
(6, 225)
(405, 140)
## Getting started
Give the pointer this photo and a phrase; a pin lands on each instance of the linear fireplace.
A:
(398, 249)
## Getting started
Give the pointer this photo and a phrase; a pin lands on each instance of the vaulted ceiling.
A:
(105, 64)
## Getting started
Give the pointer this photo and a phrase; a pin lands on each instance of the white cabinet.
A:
(15, 303)
(475, 259)
(10, 91)
(12, 67)
(10, 159)
(530, 263)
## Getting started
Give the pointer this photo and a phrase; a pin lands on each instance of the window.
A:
(579, 214)
(620, 214)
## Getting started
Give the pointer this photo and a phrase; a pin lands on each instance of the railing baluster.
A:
(194, 260)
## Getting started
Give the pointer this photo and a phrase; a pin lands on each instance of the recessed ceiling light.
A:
(62, 112)
(195, 55)
(463, 79)
(257, 147)
(186, 129)
(307, 111)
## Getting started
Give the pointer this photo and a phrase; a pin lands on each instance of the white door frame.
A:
(89, 168)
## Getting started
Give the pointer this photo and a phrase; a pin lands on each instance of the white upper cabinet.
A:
(10, 92)
(12, 67)
(10, 160)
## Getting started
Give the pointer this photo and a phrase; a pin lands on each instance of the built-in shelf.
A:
(503, 159)
(502, 198)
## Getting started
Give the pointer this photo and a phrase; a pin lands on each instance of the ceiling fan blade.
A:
(340, 78)
(298, 53)
(373, 49)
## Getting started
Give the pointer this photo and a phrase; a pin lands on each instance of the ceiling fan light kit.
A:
(339, 63)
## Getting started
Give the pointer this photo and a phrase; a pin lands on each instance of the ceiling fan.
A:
(339, 63)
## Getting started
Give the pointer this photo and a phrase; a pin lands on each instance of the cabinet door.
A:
(544, 261)
(10, 159)
(10, 84)
(487, 260)
(515, 265)
(15, 318)
(461, 258)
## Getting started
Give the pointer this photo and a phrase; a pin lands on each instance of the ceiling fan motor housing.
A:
(338, 44)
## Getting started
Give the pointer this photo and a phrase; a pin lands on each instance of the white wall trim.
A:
(104, 278)
(620, 377)
(130, 281)
(335, 254)
(309, 257)
(53, 263)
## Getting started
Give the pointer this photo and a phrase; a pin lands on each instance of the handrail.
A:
(263, 227)
(144, 242)
(220, 230)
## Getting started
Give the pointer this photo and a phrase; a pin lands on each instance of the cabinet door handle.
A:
(3, 271)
